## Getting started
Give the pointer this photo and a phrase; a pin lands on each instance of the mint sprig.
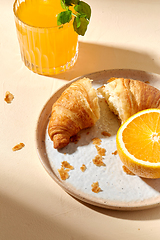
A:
(81, 14)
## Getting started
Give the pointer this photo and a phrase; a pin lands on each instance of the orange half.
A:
(138, 143)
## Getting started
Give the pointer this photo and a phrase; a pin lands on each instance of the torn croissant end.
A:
(126, 97)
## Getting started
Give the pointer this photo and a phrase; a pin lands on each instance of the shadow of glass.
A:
(93, 57)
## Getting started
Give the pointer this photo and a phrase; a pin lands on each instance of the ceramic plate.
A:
(119, 190)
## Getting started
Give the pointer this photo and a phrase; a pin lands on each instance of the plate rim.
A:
(106, 204)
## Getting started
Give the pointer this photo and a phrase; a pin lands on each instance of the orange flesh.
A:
(142, 137)
(40, 13)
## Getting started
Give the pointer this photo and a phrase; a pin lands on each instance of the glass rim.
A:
(15, 14)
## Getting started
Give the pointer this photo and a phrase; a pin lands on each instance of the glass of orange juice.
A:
(45, 48)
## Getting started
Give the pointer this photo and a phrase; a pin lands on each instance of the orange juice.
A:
(45, 47)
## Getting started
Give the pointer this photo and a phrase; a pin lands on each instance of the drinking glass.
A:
(45, 50)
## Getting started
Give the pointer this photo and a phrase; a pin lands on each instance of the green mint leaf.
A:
(78, 21)
(82, 26)
(81, 17)
(64, 17)
(83, 8)
(67, 2)
(63, 5)
(75, 1)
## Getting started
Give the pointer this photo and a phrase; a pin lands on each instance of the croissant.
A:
(77, 108)
(126, 97)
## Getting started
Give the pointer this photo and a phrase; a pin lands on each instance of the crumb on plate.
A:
(98, 161)
(95, 187)
(115, 152)
(106, 134)
(100, 151)
(83, 168)
(63, 173)
(65, 168)
(96, 141)
(75, 138)
(66, 164)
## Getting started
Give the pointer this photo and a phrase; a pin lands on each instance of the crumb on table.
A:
(8, 97)
(18, 146)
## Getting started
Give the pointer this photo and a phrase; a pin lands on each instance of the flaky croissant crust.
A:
(126, 97)
(77, 108)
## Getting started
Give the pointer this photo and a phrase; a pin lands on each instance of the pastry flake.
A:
(95, 187)
(9, 97)
(75, 138)
(106, 134)
(65, 168)
(83, 168)
(98, 161)
(115, 152)
(63, 173)
(65, 164)
(96, 141)
(100, 151)
(18, 146)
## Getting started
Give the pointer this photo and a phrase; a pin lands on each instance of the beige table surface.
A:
(122, 34)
